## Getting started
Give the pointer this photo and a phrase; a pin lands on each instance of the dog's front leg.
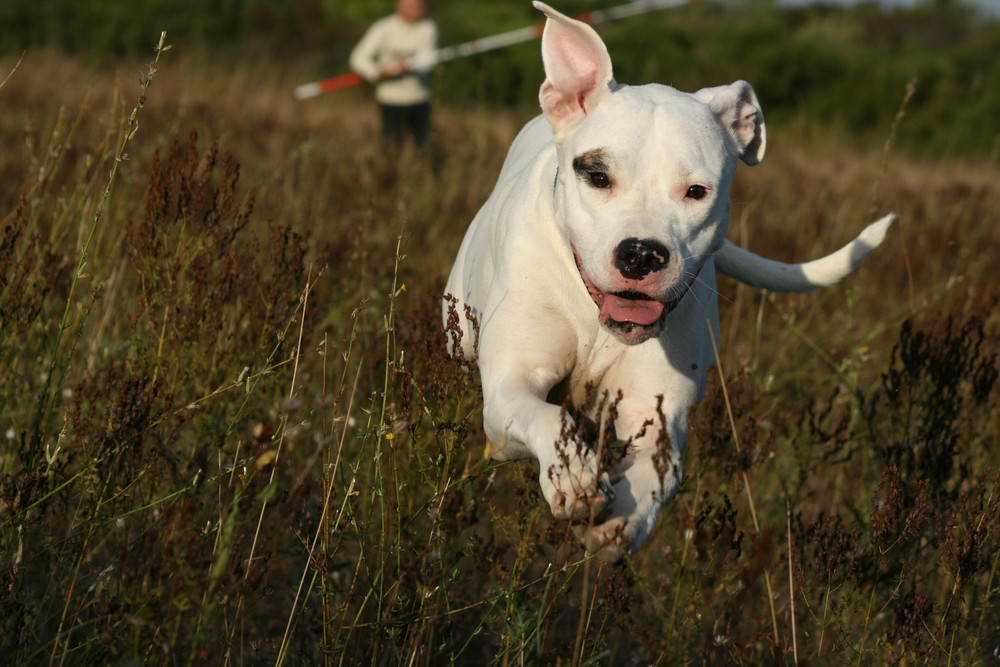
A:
(521, 424)
(647, 477)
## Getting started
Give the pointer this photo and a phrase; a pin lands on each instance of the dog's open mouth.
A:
(630, 315)
(626, 310)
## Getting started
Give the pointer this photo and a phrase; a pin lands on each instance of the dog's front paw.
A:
(617, 535)
(629, 521)
(574, 487)
(609, 541)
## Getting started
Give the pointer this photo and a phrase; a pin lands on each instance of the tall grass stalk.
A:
(746, 482)
(385, 437)
(791, 583)
(587, 606)
(13, 69)
(908, 93)
(678, 580)
(274, 461)
(41, 422)
(320, 549)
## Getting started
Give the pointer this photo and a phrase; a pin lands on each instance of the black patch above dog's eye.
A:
(592, 168)
(599, 179)
(696, 192)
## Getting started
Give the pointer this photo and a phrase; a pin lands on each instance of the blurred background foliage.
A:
(829, 66)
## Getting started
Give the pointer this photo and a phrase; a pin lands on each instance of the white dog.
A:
(590, 271)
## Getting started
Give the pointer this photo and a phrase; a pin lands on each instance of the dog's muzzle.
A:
(631, 316)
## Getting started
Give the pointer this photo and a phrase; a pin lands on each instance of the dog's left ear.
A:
(738, 111)
(577, 70)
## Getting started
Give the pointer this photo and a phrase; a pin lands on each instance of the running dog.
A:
(590, 271)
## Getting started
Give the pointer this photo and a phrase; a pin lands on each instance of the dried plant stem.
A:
(880, 555)
(581, 628)
(908, 92)
(587, 609)
(826, 612)
(791, 582)
(69, 597)
(990, 591)
(12, 70)
(955, 588)
(746, 479)
(671, 627)
(301, 310)
(324, 528)
(46, 399)
(387, 435)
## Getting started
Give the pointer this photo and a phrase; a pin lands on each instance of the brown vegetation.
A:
(230, 434)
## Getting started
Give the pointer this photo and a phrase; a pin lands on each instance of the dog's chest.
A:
(592, 371)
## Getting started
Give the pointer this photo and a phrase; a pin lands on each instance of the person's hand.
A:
(398, 68)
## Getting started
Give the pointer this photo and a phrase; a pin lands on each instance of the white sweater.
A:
(386, 41)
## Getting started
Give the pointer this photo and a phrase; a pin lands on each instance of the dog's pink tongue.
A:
(637, 311)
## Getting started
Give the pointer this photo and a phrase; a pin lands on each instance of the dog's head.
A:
(642, 191)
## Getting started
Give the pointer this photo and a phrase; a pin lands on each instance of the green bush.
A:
(846, 68)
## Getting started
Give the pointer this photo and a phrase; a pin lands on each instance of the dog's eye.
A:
(696, 192)
(599, 179)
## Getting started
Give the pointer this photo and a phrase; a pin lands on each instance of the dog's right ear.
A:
(577, 70)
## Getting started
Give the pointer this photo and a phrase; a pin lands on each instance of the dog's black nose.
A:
(637, 258)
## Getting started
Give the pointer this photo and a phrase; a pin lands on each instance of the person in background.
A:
(404, 96)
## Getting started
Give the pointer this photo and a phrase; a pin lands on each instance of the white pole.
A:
(427, 60)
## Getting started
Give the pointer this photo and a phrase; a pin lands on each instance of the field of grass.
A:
(229, 433)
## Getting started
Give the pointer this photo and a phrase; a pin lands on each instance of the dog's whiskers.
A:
(715, 291)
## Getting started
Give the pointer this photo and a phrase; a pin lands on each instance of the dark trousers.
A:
(414, 120)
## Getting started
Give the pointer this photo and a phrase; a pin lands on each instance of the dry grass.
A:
(251, 449)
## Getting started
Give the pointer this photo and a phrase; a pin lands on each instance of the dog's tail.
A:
(768, 274)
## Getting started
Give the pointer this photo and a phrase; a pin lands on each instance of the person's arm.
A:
(364, 56)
